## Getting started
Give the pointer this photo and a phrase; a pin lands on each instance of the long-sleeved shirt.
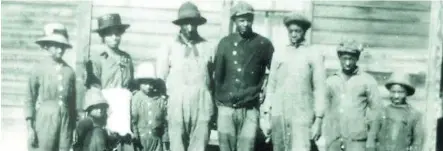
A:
(110, 70)
(148, 115)
(399, 127)
(48, 83)
(296, 83)
(352, 105)
(240, 65)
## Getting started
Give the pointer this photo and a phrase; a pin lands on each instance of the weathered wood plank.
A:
(166, 27)
(32, 35)
(401, 5)
(35, 21)
(135, 14)
(366, 26)
(372, 40)
(137, 39)
(371, 13)
(204, 5)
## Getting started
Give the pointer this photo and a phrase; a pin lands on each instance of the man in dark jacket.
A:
(240, 64)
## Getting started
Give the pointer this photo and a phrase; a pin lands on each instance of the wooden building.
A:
(400, 35)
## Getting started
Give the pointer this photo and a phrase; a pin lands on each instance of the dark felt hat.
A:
(188, 12)
(402, 79)
(297, 18)
(110, 20)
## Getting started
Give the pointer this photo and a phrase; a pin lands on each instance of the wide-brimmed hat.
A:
(55, 32)
(402, 79)
(110, 20)
(297, 18)
(241, 8)
(189, 12)
(94, 97)
(145, 70)
(350, 47)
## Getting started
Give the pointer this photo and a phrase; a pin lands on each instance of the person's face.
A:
(112, 37)
(243, 23)
(147, 87)
(99, 111)
(348, 62)
(56, 50)
(295, 33)
(188, 29)
(397, 94)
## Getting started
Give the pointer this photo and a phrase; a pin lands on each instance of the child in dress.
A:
(398, 126)
(90, 132)
(148, 109)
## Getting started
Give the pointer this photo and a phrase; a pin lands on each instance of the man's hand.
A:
(32, 138)
(265, 125)
(316, 129)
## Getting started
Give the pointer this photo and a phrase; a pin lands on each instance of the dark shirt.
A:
(240, 66)
(90, 137)
(110, 71)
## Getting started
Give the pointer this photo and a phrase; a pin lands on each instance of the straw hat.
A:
(145, 70)
(189, 12)
(55, 32)
(94, 97)
(402, 79)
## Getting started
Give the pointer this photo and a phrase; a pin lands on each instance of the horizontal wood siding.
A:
(22, 24)
(152, 27)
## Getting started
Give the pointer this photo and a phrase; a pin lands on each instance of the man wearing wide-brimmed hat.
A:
(110, 67)
(241, 61)
(295, 99)
(353, 102)
(50, 105)
(398, 126)
(183, 64)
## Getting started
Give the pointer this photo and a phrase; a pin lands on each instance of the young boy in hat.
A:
(110, 67)
(353, 102)
(148, 109)
(90, 132)
(50, 105)
(398, 126)
(182, 64)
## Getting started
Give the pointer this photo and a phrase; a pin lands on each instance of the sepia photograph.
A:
(221, 75)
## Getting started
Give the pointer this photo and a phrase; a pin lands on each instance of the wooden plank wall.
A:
(151, 25)
(22, 24)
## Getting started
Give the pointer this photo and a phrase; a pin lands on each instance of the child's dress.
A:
(399, 128)
(149, 120)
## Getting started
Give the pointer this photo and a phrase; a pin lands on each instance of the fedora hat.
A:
(402, 79)
(188, 12)
(55, 32)
(145, 70)
(94, 97)
(241, 8)
(298, 19)
(110, 20)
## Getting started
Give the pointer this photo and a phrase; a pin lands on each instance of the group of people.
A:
(286, 95)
